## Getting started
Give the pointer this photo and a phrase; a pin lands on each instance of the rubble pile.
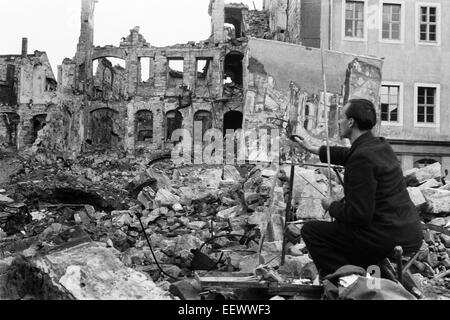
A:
(430, 192)
(54, 216)
(97, 201)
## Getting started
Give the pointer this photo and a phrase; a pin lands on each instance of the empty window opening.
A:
(118, 63)
(234, 16)
(145, 69)
(232, 121)
(109, 77)
(144, 126)
(233, 71)
(230, 31)
(203, 68)
(9, 121)
(39, 123)
(50, 84)
(103, 127)
(174, 121)
(206, 118)
(8, 94)
(176, 68)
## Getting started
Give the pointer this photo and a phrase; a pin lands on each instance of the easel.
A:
(292, 122)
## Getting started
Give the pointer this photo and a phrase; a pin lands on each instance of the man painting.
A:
(377, 213)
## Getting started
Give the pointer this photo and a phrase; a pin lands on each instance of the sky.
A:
(54, 25)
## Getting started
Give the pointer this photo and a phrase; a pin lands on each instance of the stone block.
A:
(428, 172)
(438, 200)
(417, 197)
(89, 271)
(164, 198)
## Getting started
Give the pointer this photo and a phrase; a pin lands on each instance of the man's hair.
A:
(363, 112)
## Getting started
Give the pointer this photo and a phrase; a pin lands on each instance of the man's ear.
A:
(351, 122)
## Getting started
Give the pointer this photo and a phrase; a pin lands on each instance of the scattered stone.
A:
(211, 178)
(162, 181)
(438, 200)
(249, 263)
(428, 172)
(164, 198)
(187, 242)
(5, 199)
(55, 228)
(178, 207)
(197, 225)
(38, 215)
(141, 181)
(231, 173)
(229, 213)
(172, 270)
(90, 210)
(417, 197)
(146, 198)
(432, 183)
(229, 202)
(90, 272)
(82, 217)
(297, 250)
(441, 222)
(257, 218)
(252, 197)
(124, 219)
(186, 290)
(445, 240)
(295, 265)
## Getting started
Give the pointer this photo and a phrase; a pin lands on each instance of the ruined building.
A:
(248, 74)
(27, 94)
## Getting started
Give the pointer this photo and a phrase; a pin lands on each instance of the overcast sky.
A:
(54, 25)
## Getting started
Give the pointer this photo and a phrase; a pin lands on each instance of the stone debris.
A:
(180, 215)
(438, 200)
(428, 172)
(417, 197)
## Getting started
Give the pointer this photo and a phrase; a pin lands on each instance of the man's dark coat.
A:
(377, 204)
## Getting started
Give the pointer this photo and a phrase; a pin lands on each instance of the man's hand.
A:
(326, 203)
(302, 143)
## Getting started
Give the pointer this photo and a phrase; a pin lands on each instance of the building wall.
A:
(408, 63)
(34, 89)
(159, 94)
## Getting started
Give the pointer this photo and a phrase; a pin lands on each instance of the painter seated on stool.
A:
(377, 213)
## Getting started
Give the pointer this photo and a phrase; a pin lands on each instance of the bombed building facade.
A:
(27, 94)
(233, 80)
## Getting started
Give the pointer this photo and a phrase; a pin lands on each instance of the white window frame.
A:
(366, 25)
(437, 109)
(402, 21)
(438, 23)
(400, 104)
